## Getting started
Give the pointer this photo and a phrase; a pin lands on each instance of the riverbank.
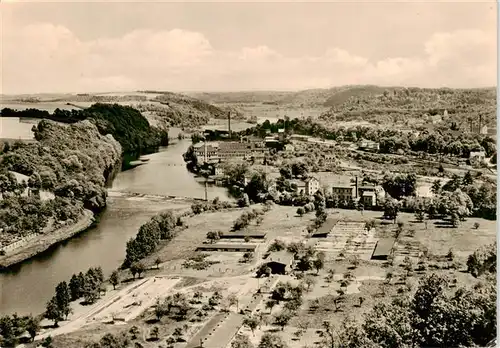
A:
(44, 242)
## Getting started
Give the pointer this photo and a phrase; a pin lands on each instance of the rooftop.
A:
(383, 247)
(326, 227)
(228, 246)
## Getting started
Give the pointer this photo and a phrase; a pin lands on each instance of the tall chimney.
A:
(480, 121)
(356, 187)
(229, 122)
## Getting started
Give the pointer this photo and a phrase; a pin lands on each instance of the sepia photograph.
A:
(286, 174)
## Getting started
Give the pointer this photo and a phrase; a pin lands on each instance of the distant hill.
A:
(267, 97)
(399, 104)
(343, 95)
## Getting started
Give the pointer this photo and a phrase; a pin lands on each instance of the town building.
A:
(280, 262)
(298, 137)
(344, 192)
(218, 170)
(243, 235)
(206, 152)
(368, 145)
(300, 186)
(281, 134)
(312, 186)
(289, 148)
(370, 195)
(369, 198)
(477, 157)
(215, 152)
(234, 247)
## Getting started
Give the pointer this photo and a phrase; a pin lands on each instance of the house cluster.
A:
(368, 195)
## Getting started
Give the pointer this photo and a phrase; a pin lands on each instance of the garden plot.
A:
(349, 238)
(411, 249)
(131, 304)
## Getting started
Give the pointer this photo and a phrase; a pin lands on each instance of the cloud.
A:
(44, 57)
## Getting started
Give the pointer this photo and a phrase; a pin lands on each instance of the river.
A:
(28, 286)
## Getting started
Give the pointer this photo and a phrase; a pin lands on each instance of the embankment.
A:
(45, 241)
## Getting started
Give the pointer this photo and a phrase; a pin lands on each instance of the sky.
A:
(57, 47)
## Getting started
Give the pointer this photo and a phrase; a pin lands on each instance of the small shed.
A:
(280, 262)
(235, 247)
(383, 249)
(325, 229)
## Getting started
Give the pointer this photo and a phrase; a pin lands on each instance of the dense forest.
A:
(124, 123)
(72, 161)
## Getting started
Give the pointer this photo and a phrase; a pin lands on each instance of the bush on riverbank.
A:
(215, 205)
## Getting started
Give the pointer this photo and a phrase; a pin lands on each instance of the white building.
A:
(312, 186)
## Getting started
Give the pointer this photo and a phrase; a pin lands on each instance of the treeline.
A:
(88, 286)
(125, 123)
(445, 142)
(458, 198)
(160, 227)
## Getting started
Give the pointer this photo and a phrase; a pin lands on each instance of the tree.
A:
(252, 323)
(114, 279)
(304, 264)
(264, 270)
(47, 342)
(419, 215)
(76, 286)
(329, 335)
(318, 264)
(282, 319)
(244, 201)
(52, 311)
(158, 261)
(370, 225)
(467, 180)
(388, 277)
(62, 299)
(436, 187)
(407, 265)
(232, 300)
(213, 236)
(178, 334)
(270, 340)
(32, 326)
(137, 268)
(309, 281)
(391, 209)
(476, 225)
(361, 300)
(300, 211)
(241, 341)
(354, 261)
(155, 331)
(134, 332)
(270, 304)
